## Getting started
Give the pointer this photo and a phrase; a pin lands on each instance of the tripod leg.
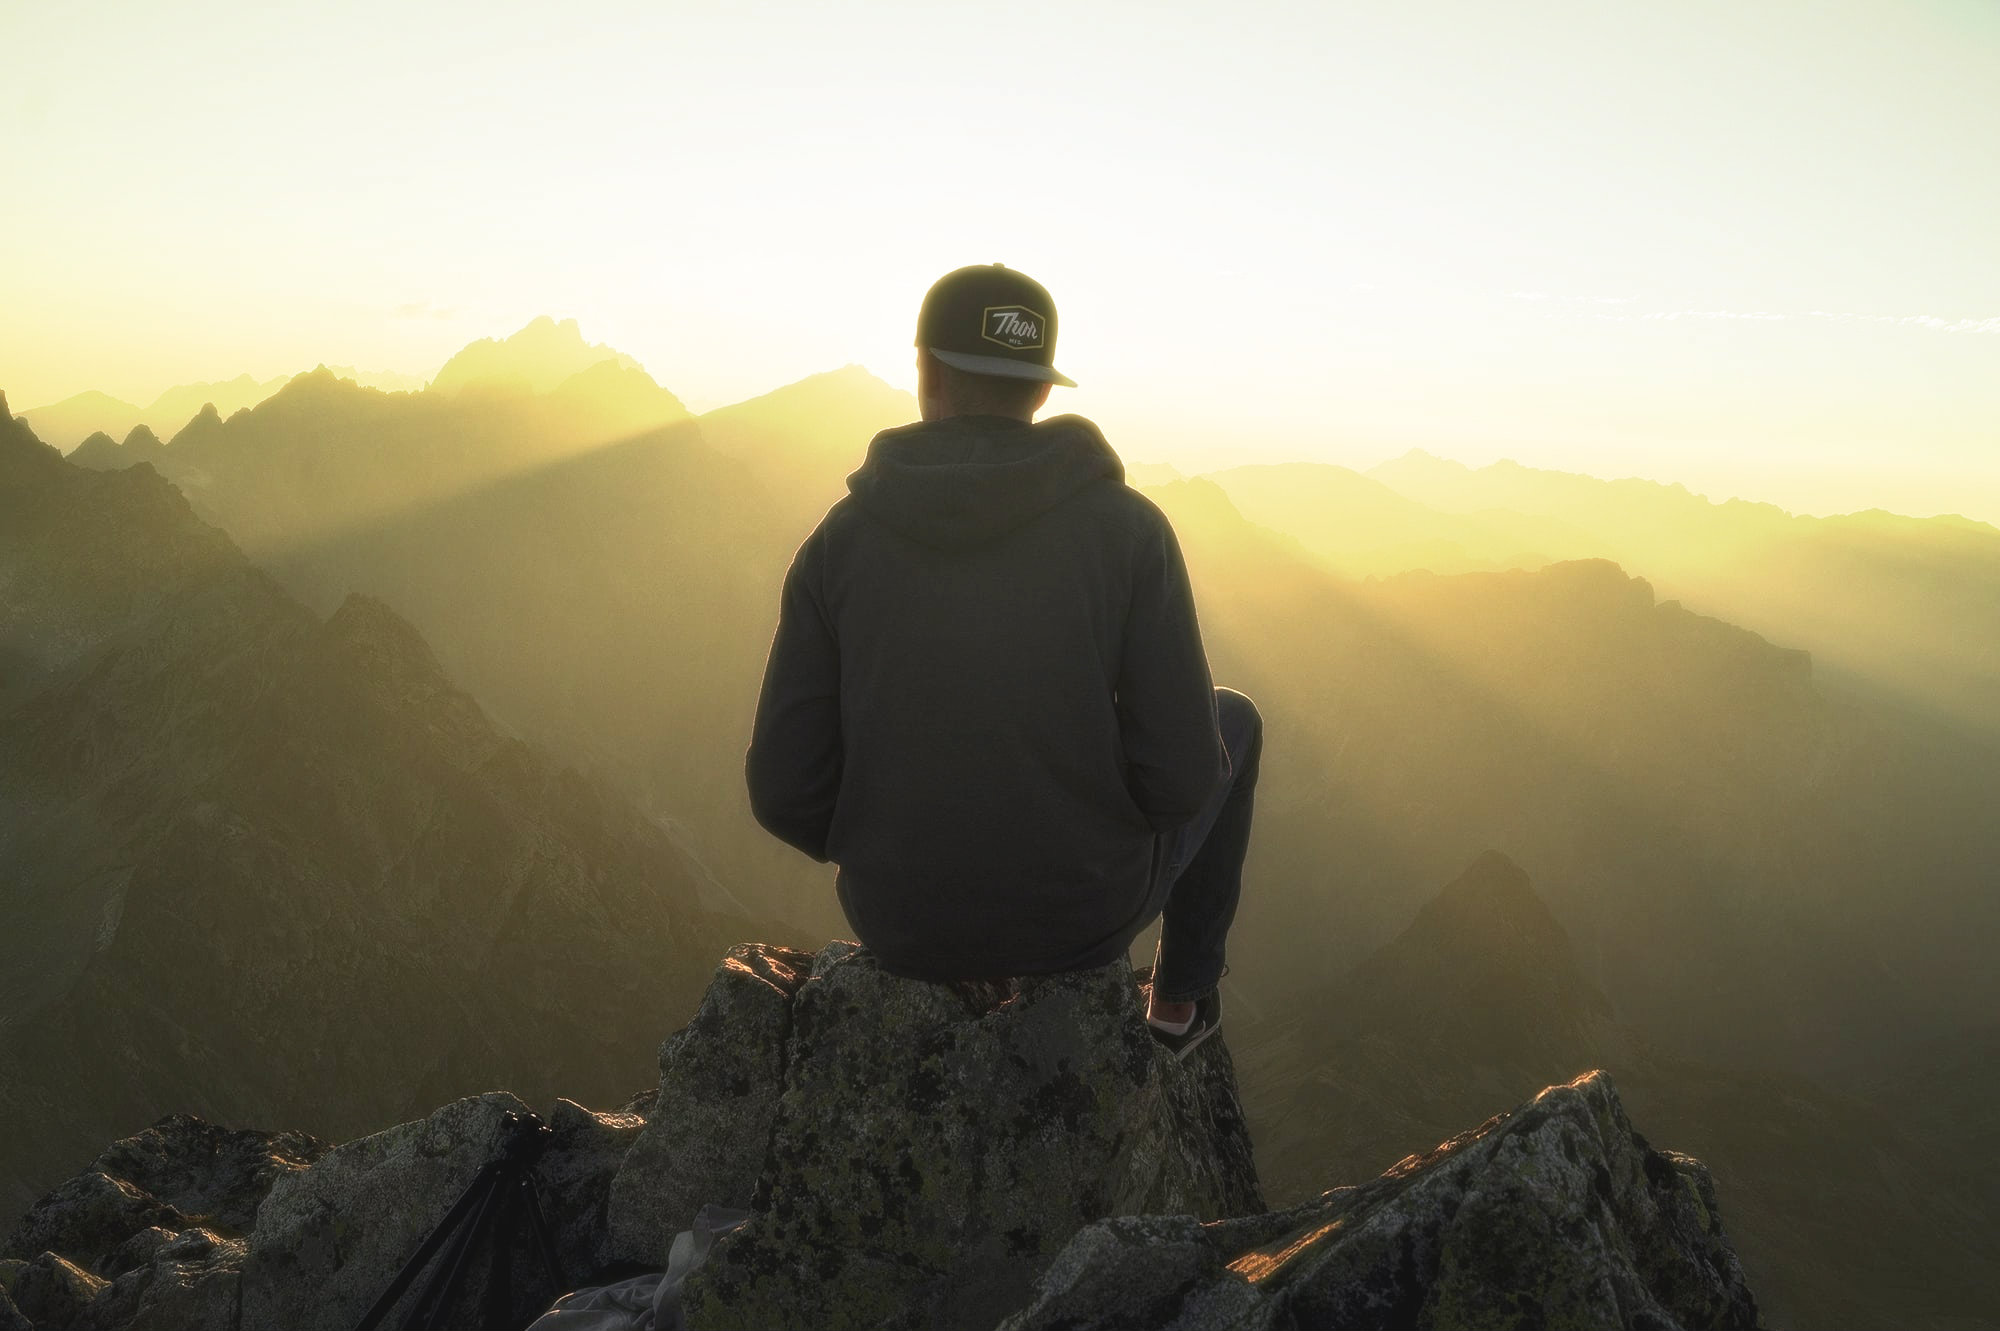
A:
(500, 1276)
(412, 1268)
(538, 1223)
(441, 1290)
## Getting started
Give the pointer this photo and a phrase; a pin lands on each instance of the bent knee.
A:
(1238, 718)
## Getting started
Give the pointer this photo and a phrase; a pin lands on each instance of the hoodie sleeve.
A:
(793, 766)
(1166, 701)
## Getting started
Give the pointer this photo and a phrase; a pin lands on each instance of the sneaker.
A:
(1207, 1021)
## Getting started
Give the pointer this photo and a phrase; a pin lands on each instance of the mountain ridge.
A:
(1432, 1029)
(268, 866)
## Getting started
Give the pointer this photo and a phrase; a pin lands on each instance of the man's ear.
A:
(1041, 399)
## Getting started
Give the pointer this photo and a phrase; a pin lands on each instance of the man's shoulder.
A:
(1109, 503)
(1117, 502)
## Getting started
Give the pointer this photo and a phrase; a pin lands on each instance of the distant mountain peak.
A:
(100, 452)
(1487, 936)
(367, 624)
(1492, 895)
(538, 359)
(142, 437)
(1493, 874)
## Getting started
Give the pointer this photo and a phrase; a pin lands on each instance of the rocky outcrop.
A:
(709, 1125)
(1555, 1215)
(330, 1239)
(178, 1174)
(915, 1153)
(151, 1235)
(932, 1149)
(914, 1156)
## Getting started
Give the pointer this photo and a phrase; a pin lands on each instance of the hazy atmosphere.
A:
(1581, 428)
(1746, 248)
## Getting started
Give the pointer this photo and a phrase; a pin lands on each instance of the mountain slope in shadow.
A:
(1905, 607)
(1845, 1213)
(269, 868)
(1753, 870)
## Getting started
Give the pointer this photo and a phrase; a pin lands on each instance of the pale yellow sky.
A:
(1747, 247)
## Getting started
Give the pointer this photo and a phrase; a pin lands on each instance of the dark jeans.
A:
(1202, 863)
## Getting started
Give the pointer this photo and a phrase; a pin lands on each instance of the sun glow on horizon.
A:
(1746, 250)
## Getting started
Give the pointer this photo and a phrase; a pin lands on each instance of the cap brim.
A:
(1002, 368)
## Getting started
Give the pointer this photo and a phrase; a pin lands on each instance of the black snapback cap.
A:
(989, 319)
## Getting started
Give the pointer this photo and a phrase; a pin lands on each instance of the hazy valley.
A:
(359, 747)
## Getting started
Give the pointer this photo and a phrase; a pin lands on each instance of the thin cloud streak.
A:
(1929, 322)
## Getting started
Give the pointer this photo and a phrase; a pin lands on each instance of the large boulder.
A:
(709, 1126)
(330, 1240)
(150, 1236)
(586, 1148)
(934, 1146)
(1557, 1214)
(179, 1172)
(915, 1155)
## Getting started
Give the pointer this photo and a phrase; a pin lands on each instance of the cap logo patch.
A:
(1015, 327)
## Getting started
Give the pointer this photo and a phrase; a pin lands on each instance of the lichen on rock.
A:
(931, 1152)
(1020, 1155)
(1557, 1215)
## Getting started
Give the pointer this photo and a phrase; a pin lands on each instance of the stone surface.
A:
(1557, 1215)
(574, 1180)
(143, 1190)
(193, 1284)
(935, 1147)
(88, 1217)
(329, 1239)
(1018, 1154)
(52, 1292)
(214, 1174)
(708, 1126)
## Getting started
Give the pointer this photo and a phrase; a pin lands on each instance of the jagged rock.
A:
(709, 1125)
(922, 1156)
(330, 1239)
(179, 1172)
(141, 1250)
(100, 452)
(87, 1217)
(931, 1152)
(191, 1284)
(52, 1292)
(585, 1152)
(1558, 1214)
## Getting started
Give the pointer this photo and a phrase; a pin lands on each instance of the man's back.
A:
(986, 697)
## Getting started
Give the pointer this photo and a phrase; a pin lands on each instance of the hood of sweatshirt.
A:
(966, 480)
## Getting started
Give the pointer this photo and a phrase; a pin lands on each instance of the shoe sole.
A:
(1192, 1040)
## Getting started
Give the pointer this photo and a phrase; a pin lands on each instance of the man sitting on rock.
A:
(987, 699)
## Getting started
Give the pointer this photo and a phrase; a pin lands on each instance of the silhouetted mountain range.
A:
(1753, 871)
(73, 419)
(1749, 875)
(535, 360)
(1905, 608)
(271, 868)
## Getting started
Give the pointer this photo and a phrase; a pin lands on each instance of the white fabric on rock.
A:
(649, 1302)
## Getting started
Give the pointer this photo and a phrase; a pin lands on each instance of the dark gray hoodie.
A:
(986, 697)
